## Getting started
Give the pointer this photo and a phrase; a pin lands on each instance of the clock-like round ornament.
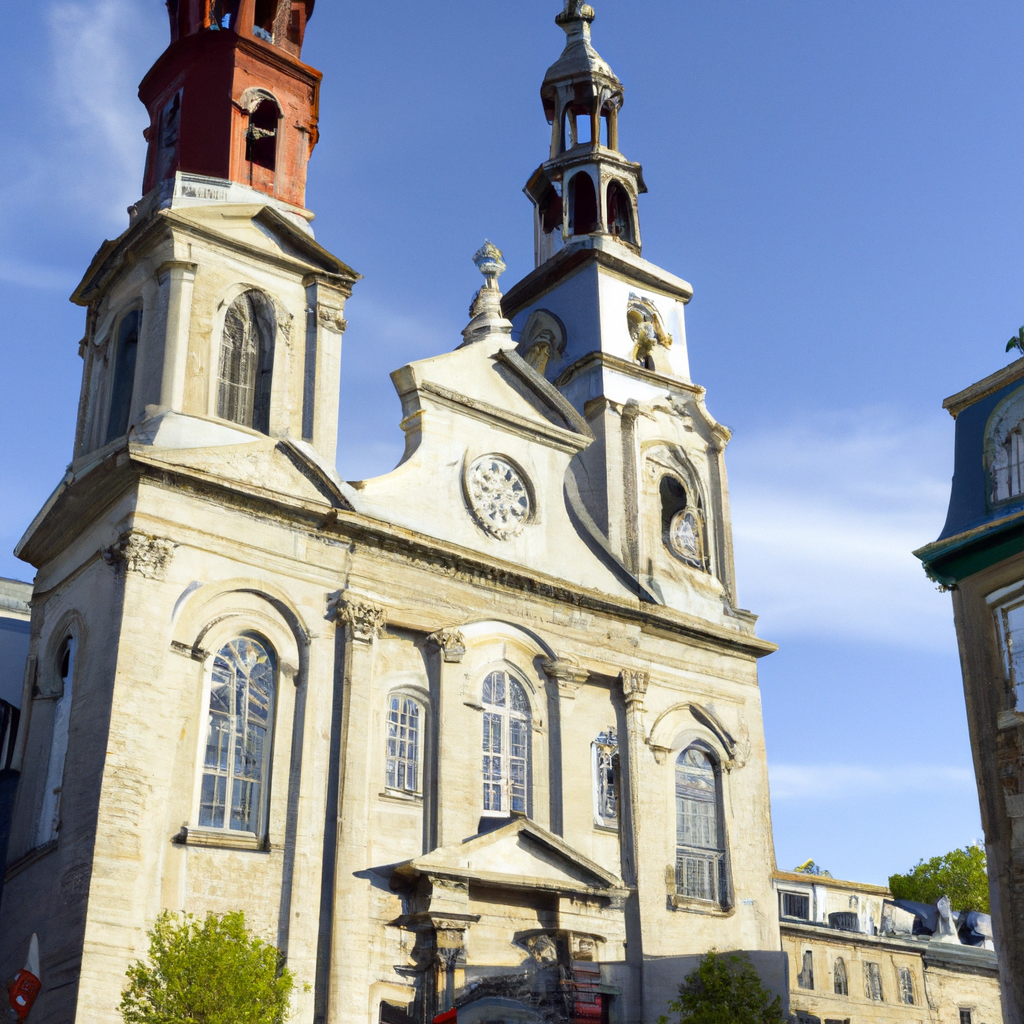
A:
(498, 496)
(686, 537)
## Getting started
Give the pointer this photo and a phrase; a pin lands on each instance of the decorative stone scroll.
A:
(451, 643)
(140, 553)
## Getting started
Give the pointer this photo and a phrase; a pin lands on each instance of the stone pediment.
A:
(276, 467)
(520, 855)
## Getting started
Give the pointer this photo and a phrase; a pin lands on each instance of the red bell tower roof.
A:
(230, 97)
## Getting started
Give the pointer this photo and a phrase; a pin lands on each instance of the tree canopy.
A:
(959, 874)
(724, 990)
(210, 972)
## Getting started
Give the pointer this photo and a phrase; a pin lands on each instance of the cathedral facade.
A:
(481, 734)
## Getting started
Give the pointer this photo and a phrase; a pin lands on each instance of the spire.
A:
(582, 98)
(230, 97)
(487, 318)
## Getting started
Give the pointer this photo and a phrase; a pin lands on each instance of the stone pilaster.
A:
(325, 325)
(565, 678)
(178, 276)
(450, 646)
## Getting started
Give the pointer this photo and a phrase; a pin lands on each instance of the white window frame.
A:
(502, 785)
(807, 895)
(1003, 603)
(606, 744)
(401, 696)
(714, 860)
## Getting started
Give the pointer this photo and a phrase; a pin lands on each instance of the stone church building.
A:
(484, 732)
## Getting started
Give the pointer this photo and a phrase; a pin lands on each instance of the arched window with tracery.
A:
(700, 836)
(404, 743)
(49, 814)
(236, 766)
(247, 361)
(506, 745)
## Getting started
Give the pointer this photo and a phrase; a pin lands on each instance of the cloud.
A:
(34, 275)
(826, 513)
(831, 781)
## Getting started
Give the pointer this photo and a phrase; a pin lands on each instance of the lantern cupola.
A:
(586, 186)
(231, 99)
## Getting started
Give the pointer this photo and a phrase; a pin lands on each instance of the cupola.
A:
(586, 186)
(230, 97)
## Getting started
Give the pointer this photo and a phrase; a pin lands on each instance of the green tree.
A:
(1017, 342)
(960, 875)
(210, 972)
(724, 990)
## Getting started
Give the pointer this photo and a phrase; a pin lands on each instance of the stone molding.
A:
(140, 553)
(451, 643)
(331, 317)
(567, 675)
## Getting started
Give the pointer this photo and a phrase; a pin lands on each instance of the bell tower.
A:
(230, 98)
(586, 186)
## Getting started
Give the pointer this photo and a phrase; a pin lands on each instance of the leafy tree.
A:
(960, 875)
(724, 990)
(1017, 342)
(213, 972)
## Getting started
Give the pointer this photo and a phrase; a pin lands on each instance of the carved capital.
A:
(364, 622)
(331, 317)
(566, 671)
(451, 643)
(140, 553)
(634, 684)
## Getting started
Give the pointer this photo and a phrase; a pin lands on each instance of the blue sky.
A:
(840, 182)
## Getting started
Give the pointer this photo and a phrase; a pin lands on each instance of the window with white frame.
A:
(700, 843)
(795, 904)
(405, 738)
(49, 814)
(236, 768)
(506, 745)
(606, 779)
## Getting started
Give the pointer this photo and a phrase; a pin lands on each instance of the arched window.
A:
(606, 779)
(247, 361)
(405, 739)
(582, 204)
(682, 524)
(506, 746)
(620, 213)
(700, 840)
(261, 137)
(236, 768)
(122, 386)
(839, 982)
(906, 986)
(49, 815)
(873, 983)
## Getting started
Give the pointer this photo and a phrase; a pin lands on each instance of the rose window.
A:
(498, 496)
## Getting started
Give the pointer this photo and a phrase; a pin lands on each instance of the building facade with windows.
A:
(850, 964)
(979, 557)
(484, 732)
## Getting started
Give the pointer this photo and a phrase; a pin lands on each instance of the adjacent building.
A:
(979, 557)
(483, 732)
(855, 957)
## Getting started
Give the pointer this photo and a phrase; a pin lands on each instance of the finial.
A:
(488, 260)
(486, 314)
(575, 10)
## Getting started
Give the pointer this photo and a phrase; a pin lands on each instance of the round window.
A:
(498, 496)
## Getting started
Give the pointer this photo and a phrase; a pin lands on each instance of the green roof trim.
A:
(949, 563)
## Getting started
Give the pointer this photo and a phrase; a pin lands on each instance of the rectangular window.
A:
(965, 1017)
(805, 979)
(1010, 626)
(906, 985)
(796, 905)
(403, 744)
(606, 779)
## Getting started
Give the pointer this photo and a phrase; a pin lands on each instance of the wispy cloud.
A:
(826, 513)
(831, 781)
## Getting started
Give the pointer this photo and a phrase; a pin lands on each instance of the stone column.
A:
(363, 623)
(179, 276)
(565, 678)
(447, 793)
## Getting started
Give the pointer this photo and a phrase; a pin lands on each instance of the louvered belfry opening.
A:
(247, 362)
